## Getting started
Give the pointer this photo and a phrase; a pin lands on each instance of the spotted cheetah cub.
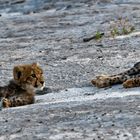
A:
(21, 90)
(129, 78)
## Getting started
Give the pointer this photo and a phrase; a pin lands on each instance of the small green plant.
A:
(132, 28)
(125, 31)
(122, 26)
(98, 35)
(114, 32)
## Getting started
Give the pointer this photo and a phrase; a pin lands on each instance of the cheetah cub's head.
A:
(29, 77)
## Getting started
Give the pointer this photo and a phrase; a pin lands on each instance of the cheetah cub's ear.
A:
(17, 72)
(35, 64)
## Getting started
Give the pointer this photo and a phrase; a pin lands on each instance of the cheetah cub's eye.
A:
(33, 75)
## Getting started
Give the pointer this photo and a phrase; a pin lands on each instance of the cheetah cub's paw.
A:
(131, 83)
(5, 103)
(101, 81)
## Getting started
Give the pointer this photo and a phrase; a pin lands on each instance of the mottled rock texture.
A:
(51, 33)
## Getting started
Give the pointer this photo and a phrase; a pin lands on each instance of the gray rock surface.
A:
(51, 33)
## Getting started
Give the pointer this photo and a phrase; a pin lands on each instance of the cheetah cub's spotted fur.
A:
(129, 78)
(21, 90)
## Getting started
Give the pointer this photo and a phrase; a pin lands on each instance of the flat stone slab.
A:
(88, 94)
(78, 113)
(52, 34)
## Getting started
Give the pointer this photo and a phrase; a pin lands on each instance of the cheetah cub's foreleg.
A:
(129, 78)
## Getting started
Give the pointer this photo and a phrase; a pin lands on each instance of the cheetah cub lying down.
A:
(21, 89)
(129, 78)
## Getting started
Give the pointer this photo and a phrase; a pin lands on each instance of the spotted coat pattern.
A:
(129, 78)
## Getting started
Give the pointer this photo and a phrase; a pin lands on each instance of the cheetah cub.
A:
(21, 89)
(129, 78)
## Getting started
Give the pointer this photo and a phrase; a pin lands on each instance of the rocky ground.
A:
(51, 33)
